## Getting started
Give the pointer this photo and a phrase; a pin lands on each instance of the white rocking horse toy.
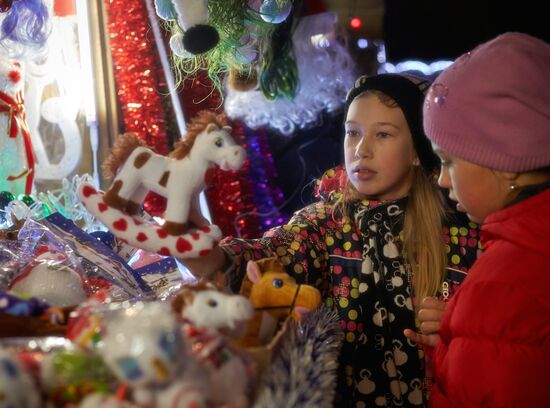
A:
(179, 177)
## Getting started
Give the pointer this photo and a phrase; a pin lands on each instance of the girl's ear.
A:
(416, 161)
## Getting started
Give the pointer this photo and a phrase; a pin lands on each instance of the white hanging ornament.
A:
(272, 12)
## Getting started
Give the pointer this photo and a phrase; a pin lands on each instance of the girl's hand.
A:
(205, 267)
(429, 315)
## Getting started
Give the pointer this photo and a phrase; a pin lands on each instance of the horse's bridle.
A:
(290, 307)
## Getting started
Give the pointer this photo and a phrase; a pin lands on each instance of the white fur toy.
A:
(47, 278)
(192, 16)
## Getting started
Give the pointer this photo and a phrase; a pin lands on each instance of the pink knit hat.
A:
(491, 107)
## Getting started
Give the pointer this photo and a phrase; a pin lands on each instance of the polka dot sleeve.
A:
(463, 246)
(297, 245)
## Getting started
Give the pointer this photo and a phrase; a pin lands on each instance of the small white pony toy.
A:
(179, 177)
(210, 319)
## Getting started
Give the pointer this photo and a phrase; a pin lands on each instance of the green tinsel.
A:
(278, 69)
(228, 17)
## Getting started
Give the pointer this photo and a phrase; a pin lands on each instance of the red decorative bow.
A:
(16, 121)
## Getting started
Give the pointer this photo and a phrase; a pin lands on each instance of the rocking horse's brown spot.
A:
(133, 208)
(175, 228)
(164, 179)
(113, 199)
(141, 159)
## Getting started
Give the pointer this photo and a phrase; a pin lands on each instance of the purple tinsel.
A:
(26, 23)
(267, 196)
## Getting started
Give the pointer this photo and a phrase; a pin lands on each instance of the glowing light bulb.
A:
(355, 23)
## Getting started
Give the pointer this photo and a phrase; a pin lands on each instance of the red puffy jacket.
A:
(495, 334)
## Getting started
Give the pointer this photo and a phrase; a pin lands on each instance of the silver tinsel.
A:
(303, 372)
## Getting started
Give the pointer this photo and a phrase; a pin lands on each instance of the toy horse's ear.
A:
(253, 272)
(211, 128)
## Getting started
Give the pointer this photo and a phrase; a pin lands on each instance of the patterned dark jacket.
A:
(360, 271)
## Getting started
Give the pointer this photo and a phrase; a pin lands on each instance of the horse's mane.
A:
(194, 128)
(123, 147)
(186, 294)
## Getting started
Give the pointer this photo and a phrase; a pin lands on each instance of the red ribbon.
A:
(17, 122)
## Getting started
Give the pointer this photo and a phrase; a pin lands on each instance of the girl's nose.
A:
(363, 148)
(443, 179)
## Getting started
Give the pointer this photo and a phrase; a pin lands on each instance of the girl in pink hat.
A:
(488, 117)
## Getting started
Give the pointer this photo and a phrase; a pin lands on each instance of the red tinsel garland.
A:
(230, 193)
(138, 72)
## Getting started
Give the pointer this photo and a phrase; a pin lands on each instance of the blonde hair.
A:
(422, 239)
(423, 246)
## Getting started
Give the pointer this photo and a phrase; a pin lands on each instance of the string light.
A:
(412, 65)
(362, 43)
(355, 23)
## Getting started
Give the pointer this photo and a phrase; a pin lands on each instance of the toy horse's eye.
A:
(219, 142)
(277, 283)
(212, 302)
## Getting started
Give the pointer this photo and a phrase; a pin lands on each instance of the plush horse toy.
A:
(177, 177)
(275, 296)
(209, 317)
